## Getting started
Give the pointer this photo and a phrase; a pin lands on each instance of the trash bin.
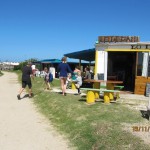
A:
(147, 89)
(100, 76)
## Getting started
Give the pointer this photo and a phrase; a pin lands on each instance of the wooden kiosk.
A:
(126, 58)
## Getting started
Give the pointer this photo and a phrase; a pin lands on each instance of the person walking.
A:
(68, 81)
(79, 82)
(63, 69)
(46, 79)
(26, 79)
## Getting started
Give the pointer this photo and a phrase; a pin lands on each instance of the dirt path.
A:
(21, 126)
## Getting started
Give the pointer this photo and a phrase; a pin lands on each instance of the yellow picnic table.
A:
(108, 94)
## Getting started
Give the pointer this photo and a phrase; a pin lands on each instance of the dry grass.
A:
(92, 127)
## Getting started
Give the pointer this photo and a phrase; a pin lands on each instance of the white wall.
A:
(102, 60)
(145, 64)
(52, 71)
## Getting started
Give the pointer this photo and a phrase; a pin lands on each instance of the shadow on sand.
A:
(145, 114)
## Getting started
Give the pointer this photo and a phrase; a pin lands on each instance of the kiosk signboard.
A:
(104, 39)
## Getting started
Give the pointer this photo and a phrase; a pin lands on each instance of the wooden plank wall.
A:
(140, 85)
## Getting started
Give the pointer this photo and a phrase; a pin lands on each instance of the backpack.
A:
(50, 77)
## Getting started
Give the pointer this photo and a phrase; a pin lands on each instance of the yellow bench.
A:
(93, 94)
(118, 87)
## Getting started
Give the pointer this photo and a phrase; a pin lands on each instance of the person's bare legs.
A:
(63, 85)
(78, 88)
(45, 85)
(30, 92)
(48, 85)
(21, 90)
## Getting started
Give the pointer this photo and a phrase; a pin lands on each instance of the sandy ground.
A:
(22, 127)
(137, 103)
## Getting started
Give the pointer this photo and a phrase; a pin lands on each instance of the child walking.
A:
(68, 81)
(79, 82)
(46, 78)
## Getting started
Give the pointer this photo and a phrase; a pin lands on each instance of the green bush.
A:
(24, 63)
(21, 65)
(1, 73)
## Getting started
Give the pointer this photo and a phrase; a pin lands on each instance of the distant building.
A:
(8, 65)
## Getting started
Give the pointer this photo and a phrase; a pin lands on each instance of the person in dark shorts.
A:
(64, 69)
(26, 79)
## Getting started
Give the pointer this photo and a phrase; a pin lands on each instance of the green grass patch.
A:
(1, 73)
(88, 127)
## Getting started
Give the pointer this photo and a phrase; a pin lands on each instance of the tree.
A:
(24, 63)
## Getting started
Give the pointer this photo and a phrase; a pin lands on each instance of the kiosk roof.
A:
(87, 55)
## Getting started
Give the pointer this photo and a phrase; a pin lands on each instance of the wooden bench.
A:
(93, 94)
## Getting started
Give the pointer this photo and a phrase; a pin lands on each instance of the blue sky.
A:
(46, 29)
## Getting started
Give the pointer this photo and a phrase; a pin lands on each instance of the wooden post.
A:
(80, 64)
(136, 64)
(89, 64)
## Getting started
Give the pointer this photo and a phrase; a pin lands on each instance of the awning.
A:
(87, 55)
(47, 61)
(127, 50)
